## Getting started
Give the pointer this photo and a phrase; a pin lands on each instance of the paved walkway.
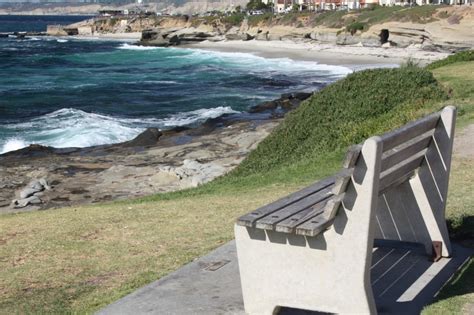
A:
(403, 280)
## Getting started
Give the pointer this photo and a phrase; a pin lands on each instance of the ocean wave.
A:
(136, 47)
(13, 144)
(69, 127)
(160, 82)
(62, 40)
(259, 64)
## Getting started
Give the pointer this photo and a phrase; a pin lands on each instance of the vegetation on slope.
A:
(340, 19)
(363, 104)
(467, 55)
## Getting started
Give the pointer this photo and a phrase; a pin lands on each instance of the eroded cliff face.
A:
(443, 28)
(448, 28)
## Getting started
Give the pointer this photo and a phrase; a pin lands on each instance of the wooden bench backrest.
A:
(422, 147)
(413, 178)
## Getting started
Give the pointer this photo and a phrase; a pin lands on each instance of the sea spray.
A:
(69, 127)
(84, 93)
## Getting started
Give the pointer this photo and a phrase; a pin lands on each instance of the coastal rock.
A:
(31, 194)
(262, 107)
(262, 36)
(285, 103)
(33, 187)
(192, 173)
(22, 203)
(273, 37)
(233, 36)
(246, 36)
(149, 137)
(347, 39)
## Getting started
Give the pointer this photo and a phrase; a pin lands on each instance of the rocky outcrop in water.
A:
(164, 37)
(282, 105)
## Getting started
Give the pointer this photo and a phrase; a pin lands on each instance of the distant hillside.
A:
(43, 7)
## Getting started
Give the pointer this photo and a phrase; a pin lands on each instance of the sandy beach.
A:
(351, 56)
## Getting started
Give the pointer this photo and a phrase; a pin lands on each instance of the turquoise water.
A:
(76, 93)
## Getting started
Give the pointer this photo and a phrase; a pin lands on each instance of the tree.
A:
(256, 5)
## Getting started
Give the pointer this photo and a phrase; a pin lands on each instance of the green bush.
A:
(467, 55)
(234, 19)
(255, 20)
(356, 26)
(344, 113)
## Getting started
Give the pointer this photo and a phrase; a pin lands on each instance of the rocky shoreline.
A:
(448, 29)
(154, 162)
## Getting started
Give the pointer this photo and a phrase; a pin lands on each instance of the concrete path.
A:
(403, 280)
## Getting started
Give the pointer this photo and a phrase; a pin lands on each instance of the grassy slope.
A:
(342, 19)
(80, 259)
(459, 293)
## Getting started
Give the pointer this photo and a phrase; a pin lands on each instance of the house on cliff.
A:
(282, 6)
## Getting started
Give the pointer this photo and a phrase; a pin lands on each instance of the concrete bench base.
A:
(200, 290)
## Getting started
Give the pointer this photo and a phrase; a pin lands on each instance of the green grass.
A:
(458, 57)
(346, 112)
(79, 259)
(458, 295)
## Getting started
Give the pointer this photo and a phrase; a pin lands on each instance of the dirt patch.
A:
(464, 143)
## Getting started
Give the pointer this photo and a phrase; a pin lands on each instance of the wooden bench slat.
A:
(400, 180)
(342, 179)
(288, 225)
(400, 171)
(406, 150)
(409, 131)
(351, 156)
(250, 218)
(323, 221)
(268, 222)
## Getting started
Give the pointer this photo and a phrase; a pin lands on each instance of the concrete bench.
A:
(313, 249)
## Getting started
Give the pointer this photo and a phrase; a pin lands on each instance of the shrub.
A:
(346, 112)
(234, 19)
(467, 55)
(356, 26)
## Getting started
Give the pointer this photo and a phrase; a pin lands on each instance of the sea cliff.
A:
(431, 28)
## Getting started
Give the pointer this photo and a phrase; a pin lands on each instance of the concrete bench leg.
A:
(312, 273)
(329, 272)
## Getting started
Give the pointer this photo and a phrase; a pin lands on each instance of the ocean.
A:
(67, 92)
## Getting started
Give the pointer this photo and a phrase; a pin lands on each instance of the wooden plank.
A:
(250, 218)
(383, 215)
(396, 205)
(410, 130)
(406, 150)
(386, 187)
(400, 170)
(342, 179)
(323, 221)
(288, 225)
(268, 222)
(351, 156)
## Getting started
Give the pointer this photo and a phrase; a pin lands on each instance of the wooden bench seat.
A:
(391, 187)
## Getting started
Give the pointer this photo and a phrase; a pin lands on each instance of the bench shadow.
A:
(404, 279)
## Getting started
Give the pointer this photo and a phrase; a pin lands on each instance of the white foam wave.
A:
(13, 144)
(70, 127)
(136, 47)
(62, 40)
(269, 65)
(160, 82)
(200, 115)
